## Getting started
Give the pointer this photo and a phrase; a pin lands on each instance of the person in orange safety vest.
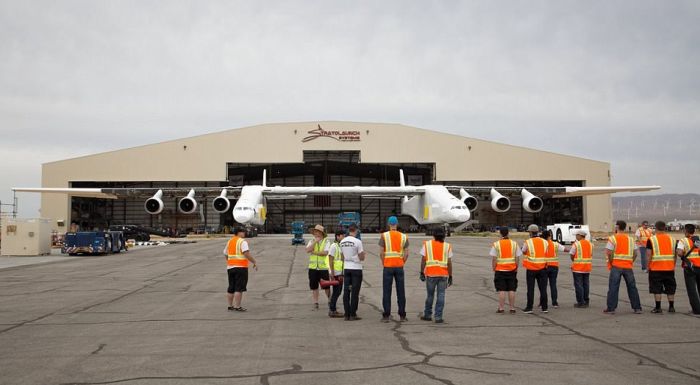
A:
(662, 265)
(238, 259)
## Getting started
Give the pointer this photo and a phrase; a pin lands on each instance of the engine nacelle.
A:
(188, 204)
(469, 201)
(499, 203)
(531, 203)
(154, 205)
(221, 204)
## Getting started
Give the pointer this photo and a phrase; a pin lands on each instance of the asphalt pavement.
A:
(158, 316)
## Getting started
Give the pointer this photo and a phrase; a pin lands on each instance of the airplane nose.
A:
(462, 215)
(243, 216)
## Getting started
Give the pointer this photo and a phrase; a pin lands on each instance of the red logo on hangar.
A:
(341, 136)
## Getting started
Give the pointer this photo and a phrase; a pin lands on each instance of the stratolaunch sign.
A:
(341, 136)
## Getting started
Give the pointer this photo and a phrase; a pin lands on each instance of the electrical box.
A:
(26, 237)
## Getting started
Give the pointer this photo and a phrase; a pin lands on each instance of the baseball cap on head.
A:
(533, 228)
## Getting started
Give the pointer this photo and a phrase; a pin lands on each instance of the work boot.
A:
(386, 319)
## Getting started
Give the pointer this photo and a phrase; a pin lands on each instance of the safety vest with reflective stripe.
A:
(234, 255)
(623, 254)
(436, 258)
(644, 236)
(394, 243)
(694, 257)
(552, 253)
(535, 257)
(337, 260)
(663, 257)
(317, 261)
(505, 255)
(583, 259)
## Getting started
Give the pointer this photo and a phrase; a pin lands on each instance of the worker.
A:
(581, 262)
(662, 263)
(620, 255)
(318, 262)
(535, 263)
(436, 272)
(642, 236)
(335, 263)
(238, 256)
(688, 250)
(505, 255)
(552, 265)
(353, 257)
(393, 253)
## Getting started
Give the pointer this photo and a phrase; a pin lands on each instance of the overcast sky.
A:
(617, 81)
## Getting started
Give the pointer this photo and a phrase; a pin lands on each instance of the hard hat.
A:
(533, 228)
(393, 221)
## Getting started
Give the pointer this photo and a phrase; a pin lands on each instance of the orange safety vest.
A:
(694, 257)
(644, 236)
(552, 253)
(535, 258)
(505, 255)
(623, 255)
(663, 257)
(234, 253)
(394, 243)
(584, 257)
(436, 258)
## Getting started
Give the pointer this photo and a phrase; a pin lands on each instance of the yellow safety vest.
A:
(317, 261)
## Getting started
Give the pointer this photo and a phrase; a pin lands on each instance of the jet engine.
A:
(188, 204)
(154, 205)
(499, 203)
(221, 203)
(469, 201)
(531, 203)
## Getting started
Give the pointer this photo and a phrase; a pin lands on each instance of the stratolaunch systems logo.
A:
(341, 136)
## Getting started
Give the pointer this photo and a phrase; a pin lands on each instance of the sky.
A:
(617, 81)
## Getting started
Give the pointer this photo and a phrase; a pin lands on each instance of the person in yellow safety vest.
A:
(642, 236)
(620, 254)
(318, 262)
(688, 250)
(662, 266)
(238, 258)
(552, 265)
(581, 263)
(335, 262)
(393, 253)
(436, 271)
(505, 255)
(535, 263)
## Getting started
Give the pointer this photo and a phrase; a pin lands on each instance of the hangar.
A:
(325, 153)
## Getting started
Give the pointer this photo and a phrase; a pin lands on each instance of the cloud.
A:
(615, 81)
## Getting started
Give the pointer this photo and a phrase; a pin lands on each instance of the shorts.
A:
(506, 280)
(237, 280)
(662, 282)
(315, 276)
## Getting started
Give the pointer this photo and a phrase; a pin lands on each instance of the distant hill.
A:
(664, 207)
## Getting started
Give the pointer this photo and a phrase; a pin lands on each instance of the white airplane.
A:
(427, 204)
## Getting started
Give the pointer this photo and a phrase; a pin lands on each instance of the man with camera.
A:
(688, 249)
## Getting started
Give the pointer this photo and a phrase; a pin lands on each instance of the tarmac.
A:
(158, 316)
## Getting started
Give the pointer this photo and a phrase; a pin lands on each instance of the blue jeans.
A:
(431, 283)
(539, 276)
(643, 257)
(390, 274)
(616, 275)
(581, 285)
(352, 282)
(552, 273)
(337, 289)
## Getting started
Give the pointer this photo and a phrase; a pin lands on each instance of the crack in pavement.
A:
(99, 349)
(160, 320)
(289, 276)
(486, 356)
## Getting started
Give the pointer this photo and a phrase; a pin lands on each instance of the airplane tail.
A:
(264, 181)
(402, 183)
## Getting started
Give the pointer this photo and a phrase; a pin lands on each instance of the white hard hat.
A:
(533, 228)
(581, 232)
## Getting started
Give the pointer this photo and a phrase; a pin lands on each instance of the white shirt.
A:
(351, 248)
(244, 248)
(326, 248)
(494, 253)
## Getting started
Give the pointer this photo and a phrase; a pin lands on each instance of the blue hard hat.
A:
(393, 221)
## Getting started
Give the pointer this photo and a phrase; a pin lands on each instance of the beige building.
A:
(321, 153)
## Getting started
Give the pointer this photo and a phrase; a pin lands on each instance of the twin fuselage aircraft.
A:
(427, 204)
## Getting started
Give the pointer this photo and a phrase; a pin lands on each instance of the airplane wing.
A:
(135, 192)
(553, 192)
(373, 191)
